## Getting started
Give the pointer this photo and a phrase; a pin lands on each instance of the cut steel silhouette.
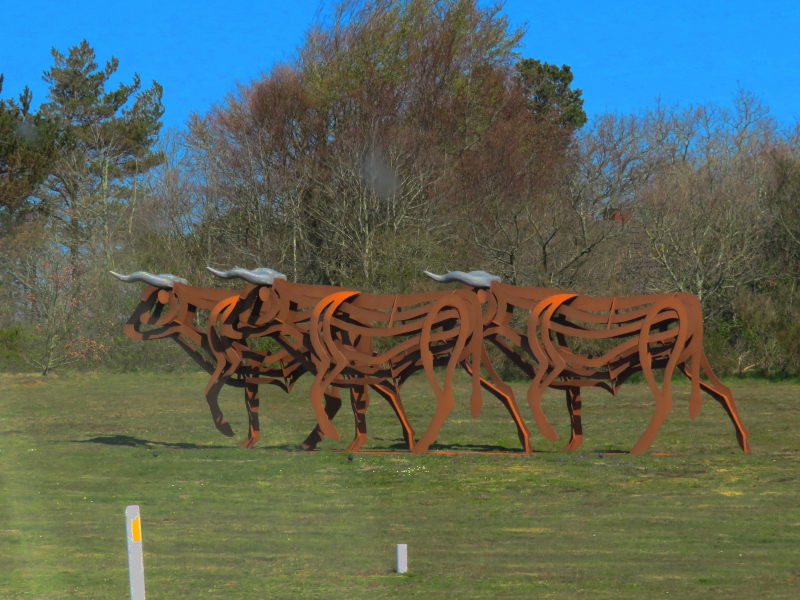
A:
(168, 309)
(291, 314)
(645, 333)
(423, 331)
(333, 334)
(282, 311)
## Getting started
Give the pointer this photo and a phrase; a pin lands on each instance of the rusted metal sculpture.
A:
(649, 332)
(332, 333)
(168, 309)
(272, 307)
(291, 314)
(427, 330)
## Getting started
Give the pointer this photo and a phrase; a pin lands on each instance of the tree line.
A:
(406, 135)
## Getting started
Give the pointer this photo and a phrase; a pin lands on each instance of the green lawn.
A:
(703, 521)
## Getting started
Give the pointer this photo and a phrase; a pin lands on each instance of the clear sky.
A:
(625, 54)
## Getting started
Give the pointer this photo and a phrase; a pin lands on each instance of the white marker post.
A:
(402, 558)
(133, 528)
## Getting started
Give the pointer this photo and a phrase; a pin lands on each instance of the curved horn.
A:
(162, 280)
(478, 279)
(260, 276)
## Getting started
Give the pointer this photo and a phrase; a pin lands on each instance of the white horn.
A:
(260, 276)
(162, 280)
(478, 279)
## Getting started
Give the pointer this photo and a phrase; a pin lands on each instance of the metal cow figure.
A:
(168, 308)
(272, 307)
(332, 333)
(646, 333)
(426, 330)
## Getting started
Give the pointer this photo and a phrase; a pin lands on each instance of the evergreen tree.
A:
(28, 145)
(108, 139)
(547, 88)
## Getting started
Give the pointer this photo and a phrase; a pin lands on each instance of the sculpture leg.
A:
(663, 407)
(227, 362)
(316, 396)
(212, 394)
(535, 392)
(444, 406)
(333, 402)
(251, 402)
(696, 353)
(393, 398)
(359, 399)
(550, 361)
(662, 397)
(574, 408)
(444, 403)
(505, 394)
(444, 394)
(546, 373)
(722, 394)
(328, 361)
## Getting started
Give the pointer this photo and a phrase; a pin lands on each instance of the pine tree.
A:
(28, 146)
(548, 90)
(108, 140)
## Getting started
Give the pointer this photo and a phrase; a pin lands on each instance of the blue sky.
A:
(625, 54)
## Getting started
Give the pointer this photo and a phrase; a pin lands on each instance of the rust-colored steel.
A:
(282, 311)
(423, 331)
(333, 333)
(641, 333)
(168, 309)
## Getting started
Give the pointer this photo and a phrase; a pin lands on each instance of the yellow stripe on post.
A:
(133, 530)
(136, 530)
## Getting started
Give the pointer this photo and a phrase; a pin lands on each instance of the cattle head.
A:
(259, 302)
(157, 314)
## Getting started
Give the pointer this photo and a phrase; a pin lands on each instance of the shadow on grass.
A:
(473, 448)
(134, 442)
(399, 447)
(127, 440)
(286, 448)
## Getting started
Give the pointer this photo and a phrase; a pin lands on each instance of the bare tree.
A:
(52, 305)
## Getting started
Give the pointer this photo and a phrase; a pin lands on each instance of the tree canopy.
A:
(28, 146)
(108, 141)
(68, 185)
(395, 113)
(405, 135)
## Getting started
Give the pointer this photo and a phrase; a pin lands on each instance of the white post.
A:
(402, 558)
(133, 527)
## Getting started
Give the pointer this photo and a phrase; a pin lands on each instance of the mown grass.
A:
(703, 521)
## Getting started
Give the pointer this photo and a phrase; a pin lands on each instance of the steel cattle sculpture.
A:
(272, 307)
(269, 306)
(282, 311)
(423, 330)
(332, 334)
(645, 333)
(168, 309)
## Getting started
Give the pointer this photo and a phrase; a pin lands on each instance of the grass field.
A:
(698, 520)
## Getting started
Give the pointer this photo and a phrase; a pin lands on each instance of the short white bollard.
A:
(402, 558)
(133, 528)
